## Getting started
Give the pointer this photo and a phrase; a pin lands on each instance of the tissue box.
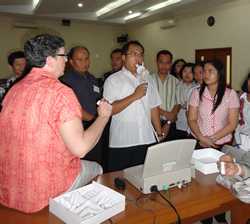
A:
(205, 160)
(91, 204)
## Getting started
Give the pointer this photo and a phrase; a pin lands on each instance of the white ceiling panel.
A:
(68, 9)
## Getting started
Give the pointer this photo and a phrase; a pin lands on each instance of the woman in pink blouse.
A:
(213, 112)
(213, 108)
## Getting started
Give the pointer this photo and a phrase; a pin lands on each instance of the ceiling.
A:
(68, 9)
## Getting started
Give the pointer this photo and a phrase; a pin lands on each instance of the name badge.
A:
(96, 89)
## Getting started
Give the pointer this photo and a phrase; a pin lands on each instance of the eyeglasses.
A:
(135, 54)
(63, 55)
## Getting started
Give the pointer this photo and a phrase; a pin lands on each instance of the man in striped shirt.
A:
(167, 87)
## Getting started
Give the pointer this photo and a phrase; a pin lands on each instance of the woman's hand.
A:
(104, 108)
(206, 141)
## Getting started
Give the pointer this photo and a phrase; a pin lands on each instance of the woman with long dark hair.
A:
(214, 108)
(213, 113)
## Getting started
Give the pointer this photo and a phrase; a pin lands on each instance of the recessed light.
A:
(130, 12)
(80, 5)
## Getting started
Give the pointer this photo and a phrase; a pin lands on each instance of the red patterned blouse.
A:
(34, 161)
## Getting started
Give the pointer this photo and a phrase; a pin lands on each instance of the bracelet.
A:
(239, 170)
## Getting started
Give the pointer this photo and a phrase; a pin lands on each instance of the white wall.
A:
(99, 39)
(232, 29)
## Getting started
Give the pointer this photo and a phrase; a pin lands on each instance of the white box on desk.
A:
(205, 160)
(64, 213)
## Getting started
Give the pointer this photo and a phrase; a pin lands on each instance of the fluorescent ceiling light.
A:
(163, 4)
(111, 6)
(131, 16)
(35, 4)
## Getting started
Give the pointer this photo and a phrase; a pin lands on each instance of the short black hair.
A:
(164, 52)
(15, 55)
(131, 42)
(74, 49)
(244, 86)
(187, 65)
(116, 50)
(38, 48)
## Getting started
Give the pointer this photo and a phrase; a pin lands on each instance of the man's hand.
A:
(140, 91)
(104, 108)
(170, 116)
(165, 129)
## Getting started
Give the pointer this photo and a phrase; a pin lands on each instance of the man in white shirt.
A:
(167, 87)
(135, 111)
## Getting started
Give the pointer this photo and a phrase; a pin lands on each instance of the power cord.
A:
(154, 188)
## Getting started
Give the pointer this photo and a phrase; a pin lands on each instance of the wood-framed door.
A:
(222, 54)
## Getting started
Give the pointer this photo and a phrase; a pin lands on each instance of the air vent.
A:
(167, 24)
(25, 26)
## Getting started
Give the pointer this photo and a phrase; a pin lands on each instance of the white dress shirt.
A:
(132, 126)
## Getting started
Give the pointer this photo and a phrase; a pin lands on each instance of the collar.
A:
(82, 74)
(42, 72)
(166, 77)
(129, 74)
(207, 95)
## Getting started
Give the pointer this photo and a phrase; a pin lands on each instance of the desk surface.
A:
(199, 199)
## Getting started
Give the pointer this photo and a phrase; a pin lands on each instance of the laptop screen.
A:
(168, 156)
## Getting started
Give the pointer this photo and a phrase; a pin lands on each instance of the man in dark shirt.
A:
(116, 62)
(86, 88)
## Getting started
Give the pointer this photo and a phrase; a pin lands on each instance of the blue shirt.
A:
(85, 87)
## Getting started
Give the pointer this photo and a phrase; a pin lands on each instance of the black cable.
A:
(174, 208)
(155, 189)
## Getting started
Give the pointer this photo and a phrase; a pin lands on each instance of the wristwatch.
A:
(161, 134)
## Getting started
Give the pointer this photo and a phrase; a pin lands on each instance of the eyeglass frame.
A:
(63, 55)
(134, 54)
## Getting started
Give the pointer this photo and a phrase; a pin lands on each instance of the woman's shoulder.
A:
(230, 92)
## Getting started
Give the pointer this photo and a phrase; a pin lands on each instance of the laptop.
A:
(166, 165)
